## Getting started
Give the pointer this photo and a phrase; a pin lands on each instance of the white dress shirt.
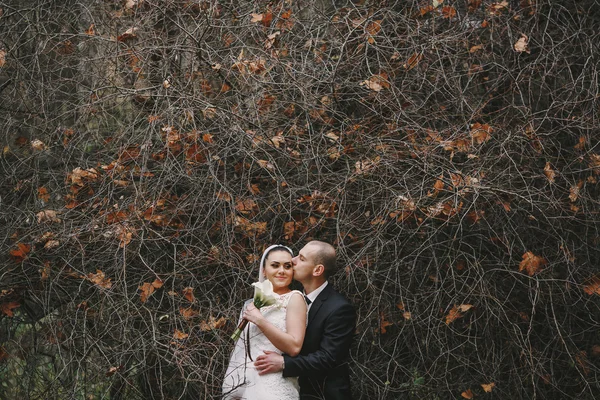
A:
(312, 296)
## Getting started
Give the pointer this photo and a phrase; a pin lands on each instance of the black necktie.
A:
(307, 300)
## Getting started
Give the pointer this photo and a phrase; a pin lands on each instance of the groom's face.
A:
(304, 264)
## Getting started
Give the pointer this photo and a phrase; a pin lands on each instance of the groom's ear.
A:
(319, 270)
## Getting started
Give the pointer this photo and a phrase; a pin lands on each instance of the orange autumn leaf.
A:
(467, 394)
(592, 286)
(474, 5)
(124, 234)
(412, 61)
(549, 172)
(383, 324)
(7, 308)
(581, 144)
(487, 387)
(188, 293)
(480, 133)
(246, 206)
(99, 279)
(372, 29)
(148, 288)
(448, 12)
(223, 196)
(574, 191)
(457, 312)
(20, 253)
(212, 324)
(45, 271)
(188, 313)
(43, 194)
(178, 335)
(249, 227)
(47, 215)
(532, 263)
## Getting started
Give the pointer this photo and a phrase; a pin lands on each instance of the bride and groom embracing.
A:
(297, 348)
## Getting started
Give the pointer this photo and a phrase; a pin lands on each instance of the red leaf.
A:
(7, 308)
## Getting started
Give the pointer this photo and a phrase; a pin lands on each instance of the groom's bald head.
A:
(324, 254)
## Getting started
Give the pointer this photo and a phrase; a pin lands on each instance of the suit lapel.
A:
(316, 306)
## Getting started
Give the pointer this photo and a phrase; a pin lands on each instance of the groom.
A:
(322, 365)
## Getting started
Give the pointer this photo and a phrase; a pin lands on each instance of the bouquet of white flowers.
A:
(263, 296)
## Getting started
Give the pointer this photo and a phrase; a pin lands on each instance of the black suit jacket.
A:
(322, 365)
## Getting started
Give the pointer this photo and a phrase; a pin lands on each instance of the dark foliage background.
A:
(152, 150)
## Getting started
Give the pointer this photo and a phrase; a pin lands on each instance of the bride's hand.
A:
(252, 314)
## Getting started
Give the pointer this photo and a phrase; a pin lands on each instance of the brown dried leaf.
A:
(549, 172)
(487, 387)
(521, 44)
(43, 194)
(453, 315)
(20, 253)
(412, 61)
(532, 263)
(47, 215)
(2, 58)
(188, 293)
(480, 133)
(448, 12)
(372, 29)
(188, 313)
(592, 286)
(246, 206)
(99, 279)
(212, 324)
(383, 324)
(178, 335)
(574, 191)
(266, 165)
(7, 308)
(148, 288)
(50, 244)
(581, 144)
(467, 394)
(38, 145)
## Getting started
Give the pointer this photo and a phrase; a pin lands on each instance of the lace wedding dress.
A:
(241, 379)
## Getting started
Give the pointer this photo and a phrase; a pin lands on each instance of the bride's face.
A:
(278, 269)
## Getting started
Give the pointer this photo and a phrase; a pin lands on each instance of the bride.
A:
(278, 328)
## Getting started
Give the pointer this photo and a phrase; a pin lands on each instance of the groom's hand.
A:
(269, 362)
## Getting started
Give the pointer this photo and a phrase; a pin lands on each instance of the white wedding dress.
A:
(241, 379)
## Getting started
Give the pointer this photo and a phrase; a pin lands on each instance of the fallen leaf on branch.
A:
(532, 263)
(212, 324)
(549, 172)
(99, 279)
(487, 387)
(20, 253)
(7, 308)
(178, 335)
(188, 293)
(47, 215)
(521, 44)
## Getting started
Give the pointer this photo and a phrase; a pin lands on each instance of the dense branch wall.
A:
(153, 149)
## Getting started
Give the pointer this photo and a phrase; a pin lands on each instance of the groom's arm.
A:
(333, 348)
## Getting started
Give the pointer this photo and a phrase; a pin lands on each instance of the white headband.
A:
(261, 269)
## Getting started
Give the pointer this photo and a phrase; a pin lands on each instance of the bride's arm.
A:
(289, 342)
